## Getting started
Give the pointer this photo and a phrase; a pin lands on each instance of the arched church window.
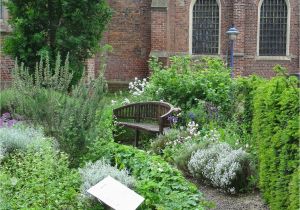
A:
(205, 27)
(273, 28)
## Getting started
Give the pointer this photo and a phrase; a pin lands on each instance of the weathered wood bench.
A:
(148, 116)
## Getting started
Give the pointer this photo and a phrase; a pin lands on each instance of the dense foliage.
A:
(162, 186)
(54, 26)
(38, 179)
(44, 99)
(232, 134)
(185, 82)
(276, 131)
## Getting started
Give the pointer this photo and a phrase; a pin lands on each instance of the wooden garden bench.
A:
(148, 116)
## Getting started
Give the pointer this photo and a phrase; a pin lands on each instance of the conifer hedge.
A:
(276, 131)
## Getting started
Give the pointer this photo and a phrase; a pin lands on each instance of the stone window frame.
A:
(271, 57)
(4, 11)
(1, 10)
(191, 28)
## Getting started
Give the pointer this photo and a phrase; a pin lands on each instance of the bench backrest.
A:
(153, 110)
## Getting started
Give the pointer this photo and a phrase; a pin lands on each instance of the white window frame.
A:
(193, 2)
(271, 57)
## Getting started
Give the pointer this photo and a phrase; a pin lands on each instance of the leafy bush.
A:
(53, 27)
(160, 143)
(243, 92)
(183, 154)
(222, 166)
(92, 173)
(45, 100)
(276, 131)
(162, 186)
(21, 137)
(294, 185)
(184, 82)
(39, 180)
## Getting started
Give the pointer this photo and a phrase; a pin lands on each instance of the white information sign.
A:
(116, 195)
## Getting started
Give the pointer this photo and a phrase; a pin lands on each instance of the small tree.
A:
(56, 26)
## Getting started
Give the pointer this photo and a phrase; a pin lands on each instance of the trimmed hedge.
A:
(163, 186)
(276, 130)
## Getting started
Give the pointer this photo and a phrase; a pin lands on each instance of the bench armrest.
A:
(163, 120)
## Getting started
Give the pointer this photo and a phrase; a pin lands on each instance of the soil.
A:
(222, 201)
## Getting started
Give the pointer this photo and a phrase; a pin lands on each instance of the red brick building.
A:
(269, 35)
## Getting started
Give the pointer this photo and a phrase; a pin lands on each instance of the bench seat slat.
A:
(142, 126)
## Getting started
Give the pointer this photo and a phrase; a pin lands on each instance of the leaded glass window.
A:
(205, 27)
(1, 9)
(273, 28)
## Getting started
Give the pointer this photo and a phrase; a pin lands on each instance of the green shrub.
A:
(276, 131)
(40, 27)
(294, 191)
(161, 142)
(183, 155)
(67, 114)
(162, 186)
(184, 81)
(243, 92)
(38, 180)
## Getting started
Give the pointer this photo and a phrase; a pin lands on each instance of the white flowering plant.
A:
(221, 166)
(137, 87)
(213, 136)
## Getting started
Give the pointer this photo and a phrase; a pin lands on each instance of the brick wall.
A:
(244, 15)
(129, 34)
(6, 63)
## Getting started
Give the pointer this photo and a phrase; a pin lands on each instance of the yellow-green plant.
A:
(276, 131)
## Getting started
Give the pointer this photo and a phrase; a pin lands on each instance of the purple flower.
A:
(6, 115)
(173, 119)
(192, 116)
(11, 123)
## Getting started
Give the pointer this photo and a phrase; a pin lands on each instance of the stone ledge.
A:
(160, 4)
(273, 58)
(238, 54)
(116, 85)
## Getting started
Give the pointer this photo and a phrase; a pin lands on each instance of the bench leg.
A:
(137, 136)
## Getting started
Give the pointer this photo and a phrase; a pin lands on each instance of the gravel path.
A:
(250, 201)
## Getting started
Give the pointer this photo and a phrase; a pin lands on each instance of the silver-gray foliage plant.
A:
(93, 173)
(2, 152)
(220, 164)
(20, 137)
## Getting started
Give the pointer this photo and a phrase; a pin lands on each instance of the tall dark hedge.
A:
(56, 26)
(276, 131)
